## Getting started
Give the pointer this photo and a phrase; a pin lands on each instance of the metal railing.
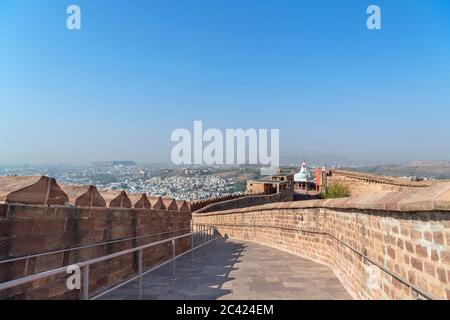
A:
(206, 235)
(92, 245)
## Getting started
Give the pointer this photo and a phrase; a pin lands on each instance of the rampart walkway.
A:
(237, 270)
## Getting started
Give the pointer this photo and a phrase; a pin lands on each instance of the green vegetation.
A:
(335, 190)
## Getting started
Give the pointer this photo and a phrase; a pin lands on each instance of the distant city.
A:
(196, 183)
(181, 183)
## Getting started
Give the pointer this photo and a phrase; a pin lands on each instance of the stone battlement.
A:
(248, 201)
(45, 191)
(199, 204)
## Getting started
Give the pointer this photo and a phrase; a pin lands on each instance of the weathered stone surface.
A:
(140, 201)
(84, 196)
(157, 203)
(199, 204)
(364, 183)
(170, 204)
(183, 206)
(442, 200)
(247, 201)
(116, 199)
(33, 190)
(423, 200)
(392, 202)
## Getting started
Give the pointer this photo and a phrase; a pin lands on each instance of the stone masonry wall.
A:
(385, 246)
(248, 201)
(199, 204)
(361, 183)
(27, 230)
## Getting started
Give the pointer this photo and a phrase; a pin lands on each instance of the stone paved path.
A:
(238, 270)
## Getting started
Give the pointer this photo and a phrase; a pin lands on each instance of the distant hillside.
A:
(438, 170)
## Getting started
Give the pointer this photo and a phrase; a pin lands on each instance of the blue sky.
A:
(140, 69)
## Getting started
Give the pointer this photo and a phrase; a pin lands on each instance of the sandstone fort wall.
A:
(361, 183)
(101, 223)
(381, 246)
(28, 230)
(248, 201)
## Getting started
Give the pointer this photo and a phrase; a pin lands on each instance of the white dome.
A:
(303, 175)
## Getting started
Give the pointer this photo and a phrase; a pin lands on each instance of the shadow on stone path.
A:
(237, 269)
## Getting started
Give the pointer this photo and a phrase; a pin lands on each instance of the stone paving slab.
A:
(237, 270)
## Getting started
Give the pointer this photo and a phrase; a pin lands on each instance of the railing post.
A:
(140, 273)
(26, 267)
(212, 237)
(209, 237)
(203, 237)
(86, 282)
(208, 232)
(173, 257)
(192, 248)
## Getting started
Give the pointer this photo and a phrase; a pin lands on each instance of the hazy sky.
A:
(140, 69)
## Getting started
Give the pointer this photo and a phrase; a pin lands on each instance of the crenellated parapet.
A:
(45, 191)
(83, 196)
(249, 200)
(140, 201)
(183, 206)
(170, 204)
(157, 203)
(199, 204)
(116, 199)
(33, 190)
